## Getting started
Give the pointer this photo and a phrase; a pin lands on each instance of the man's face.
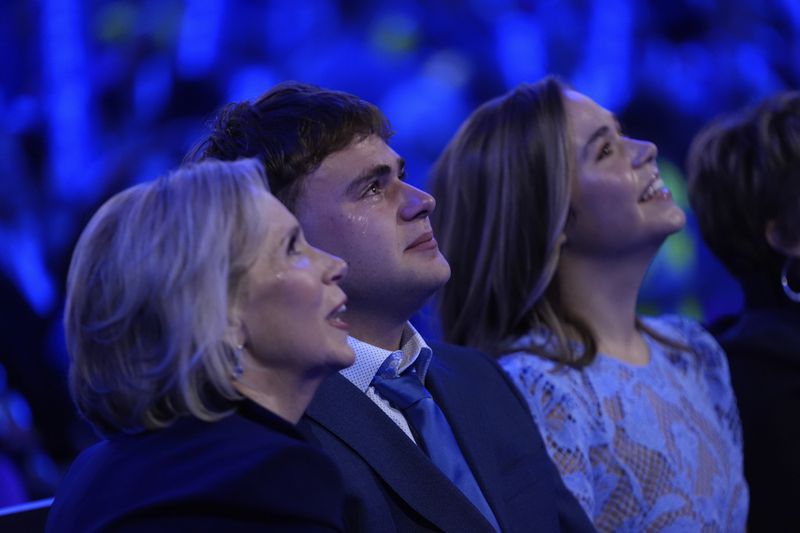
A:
(357, 205)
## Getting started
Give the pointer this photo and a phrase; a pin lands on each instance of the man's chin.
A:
(433, 276)
(429, 286)
(438, 270)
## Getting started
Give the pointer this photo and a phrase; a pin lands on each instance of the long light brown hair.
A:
(503, 187)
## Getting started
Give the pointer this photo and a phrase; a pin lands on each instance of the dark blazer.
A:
(250, 471)
(392, 486)
(763, 348)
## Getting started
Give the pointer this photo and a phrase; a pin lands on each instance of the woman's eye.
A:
(605, 151)
(292, 247)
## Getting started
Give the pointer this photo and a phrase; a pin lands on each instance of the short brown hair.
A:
(291, 129)
(744, 171)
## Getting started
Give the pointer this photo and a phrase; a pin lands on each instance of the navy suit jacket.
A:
(250, 471)
(392, 486)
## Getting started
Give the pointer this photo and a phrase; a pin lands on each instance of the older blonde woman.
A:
(200, 323)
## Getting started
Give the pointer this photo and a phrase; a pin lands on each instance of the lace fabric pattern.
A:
(650, 448)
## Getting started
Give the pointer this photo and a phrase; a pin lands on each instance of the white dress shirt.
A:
(369, 359)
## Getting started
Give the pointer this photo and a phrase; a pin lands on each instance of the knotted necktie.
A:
(407, 393)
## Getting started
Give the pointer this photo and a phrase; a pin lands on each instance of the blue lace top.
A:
(643, 448)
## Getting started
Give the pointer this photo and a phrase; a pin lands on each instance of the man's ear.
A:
(778, 242)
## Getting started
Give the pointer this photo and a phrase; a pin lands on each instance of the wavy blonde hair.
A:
(149, 291)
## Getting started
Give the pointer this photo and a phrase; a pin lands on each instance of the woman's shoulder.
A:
(547, 384)
(688, 333)
(696, 352)
(248, 434)
(523, 362)
(522, 355)
(530, 369)
(565, 401)
(677, 327)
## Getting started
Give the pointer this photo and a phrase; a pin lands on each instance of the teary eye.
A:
(373, 188)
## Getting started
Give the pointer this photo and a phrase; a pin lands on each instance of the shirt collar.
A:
(413, 351)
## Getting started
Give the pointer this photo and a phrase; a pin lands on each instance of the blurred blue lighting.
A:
(26, 266)
(395, 32)
(152, 87)
(23, 114)
(199, 37)
(792, 8)
(682, 75)
(292, 24)
(450, 66)
(19, 411)
(424, 111)
(753, 68)
(250, 82)
(520, 49)
(605, 70)
(67, 96)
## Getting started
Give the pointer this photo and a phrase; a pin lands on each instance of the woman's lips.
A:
(334, 317)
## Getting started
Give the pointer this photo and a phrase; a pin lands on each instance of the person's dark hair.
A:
(744, 171)
(291, 128)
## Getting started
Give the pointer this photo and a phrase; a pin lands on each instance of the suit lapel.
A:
(349, 414)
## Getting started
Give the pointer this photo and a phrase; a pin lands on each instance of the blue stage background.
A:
(97, 95)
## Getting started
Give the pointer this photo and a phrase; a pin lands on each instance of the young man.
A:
(482, 465)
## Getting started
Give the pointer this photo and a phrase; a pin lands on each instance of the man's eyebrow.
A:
(378, 171)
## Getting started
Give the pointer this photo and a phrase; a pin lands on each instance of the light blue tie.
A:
(407, 393)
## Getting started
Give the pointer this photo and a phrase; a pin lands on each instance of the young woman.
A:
(200, 323)
(550, 217)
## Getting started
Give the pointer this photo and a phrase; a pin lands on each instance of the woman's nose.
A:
(337, 268)
(644, 152)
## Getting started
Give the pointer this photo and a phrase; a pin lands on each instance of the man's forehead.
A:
(361, 157)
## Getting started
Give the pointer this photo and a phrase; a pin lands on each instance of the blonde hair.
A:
(149, 291)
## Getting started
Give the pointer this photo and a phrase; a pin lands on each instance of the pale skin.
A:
(287, 318)
(616, 230)
(358, 206)
(285, 395)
